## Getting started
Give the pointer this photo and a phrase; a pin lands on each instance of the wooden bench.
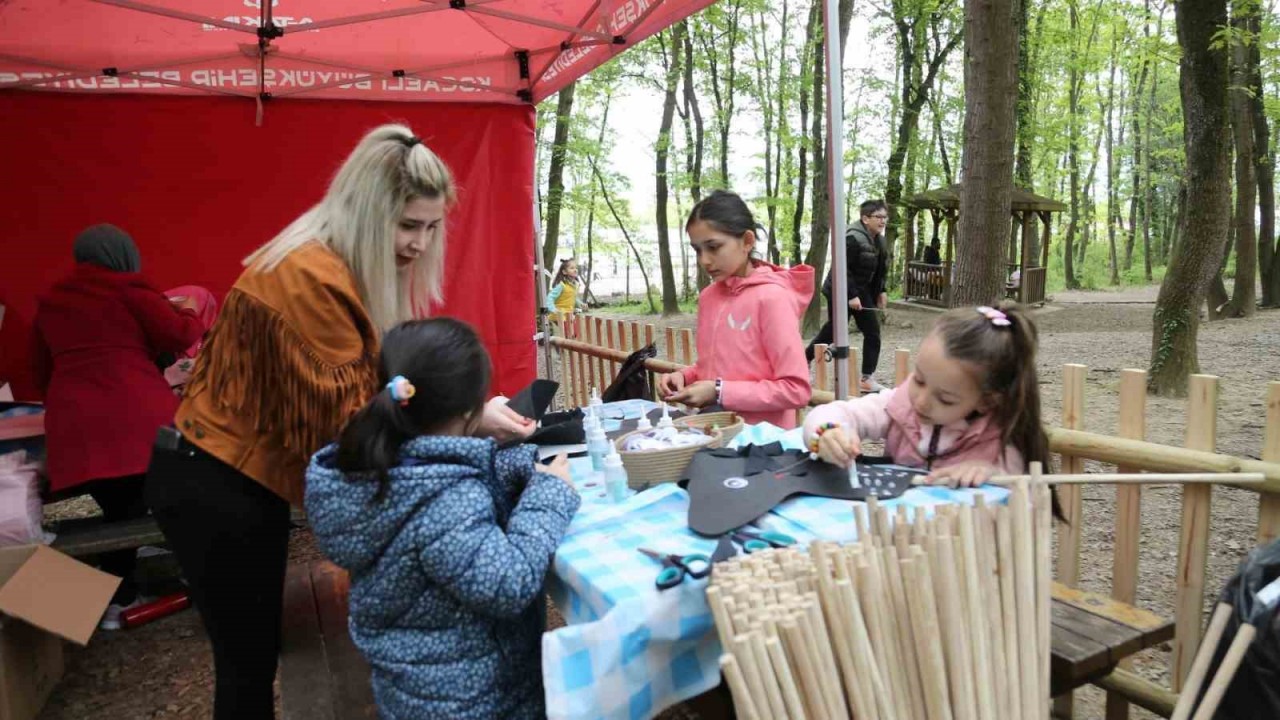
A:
(1093, 633)
(84, 537)
(322, 674)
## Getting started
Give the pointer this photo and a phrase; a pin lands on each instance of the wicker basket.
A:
(728, 423)
(649, 467)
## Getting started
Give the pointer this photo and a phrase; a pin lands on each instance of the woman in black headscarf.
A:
(98, 333)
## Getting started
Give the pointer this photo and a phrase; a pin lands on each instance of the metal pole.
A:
(835, 194)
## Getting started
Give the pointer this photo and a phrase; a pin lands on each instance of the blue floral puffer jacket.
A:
(447, 573)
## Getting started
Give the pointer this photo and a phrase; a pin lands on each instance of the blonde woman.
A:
(292, 356)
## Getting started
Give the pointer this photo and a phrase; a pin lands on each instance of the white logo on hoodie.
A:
(743, 327)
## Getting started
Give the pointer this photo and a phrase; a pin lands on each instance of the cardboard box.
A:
(45, 597)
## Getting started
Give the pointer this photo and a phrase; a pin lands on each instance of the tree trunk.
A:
(670, 301)
(1148, 188)
(1244, 296)
(1073, 145)
(1136, 132)
(555, 176)
(1216, 298)
(813, 35)
(1026, 100)
(591, 212)
(1268, 252)
(990, 82)
(1113, 212)
(1202, 85)
(644, 274)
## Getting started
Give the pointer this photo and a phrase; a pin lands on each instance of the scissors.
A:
(676, 567)
(757, 540)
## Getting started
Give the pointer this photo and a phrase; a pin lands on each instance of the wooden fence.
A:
(592, 359)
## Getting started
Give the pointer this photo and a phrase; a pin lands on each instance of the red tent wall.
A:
(198, 187)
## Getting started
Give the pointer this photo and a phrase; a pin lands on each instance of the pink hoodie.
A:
(749, 336)
(889, 416)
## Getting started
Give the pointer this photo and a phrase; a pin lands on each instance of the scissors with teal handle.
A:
(757, 540)
(676, 567)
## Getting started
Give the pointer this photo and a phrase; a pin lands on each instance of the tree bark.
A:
(1136, 121)
(670, 301)
(1148, 195)
(990, 74)
(1268, 251)
(1026, 100)
(1202, 84)
(1073, 145)
(1244, 296)
(555, 176)
(1113, 212)
(813, 34)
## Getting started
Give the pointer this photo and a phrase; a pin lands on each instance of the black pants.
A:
(868, 322)
(231, 537)
(120, 499)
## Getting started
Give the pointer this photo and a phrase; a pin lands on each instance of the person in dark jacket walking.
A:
(866, 267)
(447, 538)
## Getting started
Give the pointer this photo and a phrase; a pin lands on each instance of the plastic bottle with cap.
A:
(615, 477)
(595, 398)
(644, 423)
(597, 447)
(665, 422)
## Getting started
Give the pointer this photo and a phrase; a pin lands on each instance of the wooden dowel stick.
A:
(1200, 667)
(906, 638)
(924, 617)
(875, 603)
(955, 636)
(971, 573)
(772, 690)
(798, 656)
(1009, 607)
(1025, 589)
(985, 535)
(868, 678)
(838, 623)
(1226, 671)
(751, 671)
(830, 672)
(1138, 479)
(860, 520)
(743, 705)
(720, 615)
(786, 679)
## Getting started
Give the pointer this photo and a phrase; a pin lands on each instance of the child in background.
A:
(447, 539)
(563, 300)
(970, 410)
(750, 353)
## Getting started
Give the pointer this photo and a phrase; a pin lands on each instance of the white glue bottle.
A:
(665, 422)
(615, 477)
(595, 401)
(597, 446)
(644, 423)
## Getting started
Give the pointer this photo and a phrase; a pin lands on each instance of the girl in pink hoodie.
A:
(750, 353)
(970, 409)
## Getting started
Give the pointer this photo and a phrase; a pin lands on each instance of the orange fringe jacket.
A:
(292, 356)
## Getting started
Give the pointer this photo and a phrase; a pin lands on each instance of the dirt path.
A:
(163, 670)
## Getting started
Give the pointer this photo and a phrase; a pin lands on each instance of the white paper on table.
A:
(550, 451)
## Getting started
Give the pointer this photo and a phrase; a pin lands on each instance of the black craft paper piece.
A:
(729, 488)
(533, 401)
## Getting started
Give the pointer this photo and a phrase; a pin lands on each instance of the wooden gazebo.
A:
(930, 283)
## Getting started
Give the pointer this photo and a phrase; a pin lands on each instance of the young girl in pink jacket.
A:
(750, 353)
(970, 410)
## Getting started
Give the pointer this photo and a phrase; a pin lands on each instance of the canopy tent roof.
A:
(948, 198)
(495, 51)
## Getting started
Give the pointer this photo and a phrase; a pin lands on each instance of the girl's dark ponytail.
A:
(1021, 419)
(446, 363)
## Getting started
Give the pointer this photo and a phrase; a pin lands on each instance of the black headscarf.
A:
(107, 246)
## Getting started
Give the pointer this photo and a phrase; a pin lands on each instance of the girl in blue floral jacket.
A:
(447, 538)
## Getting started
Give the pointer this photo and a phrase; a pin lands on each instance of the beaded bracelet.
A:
(817, 435)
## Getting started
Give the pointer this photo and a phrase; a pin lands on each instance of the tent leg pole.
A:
(835, 192)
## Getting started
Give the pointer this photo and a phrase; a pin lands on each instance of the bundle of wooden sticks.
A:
(922, 619)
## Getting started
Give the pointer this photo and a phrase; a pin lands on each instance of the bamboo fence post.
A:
(635, 336)
(901, 366)
(1128, 528)
(853, 371)
(613, 341)
(686, 339)
(1200, 668)
(581, 365)
(601, 365)
(567, 375)
(820, 367)
(1070, 533)
(1193, 542)
(669, 352)
(1269, 503)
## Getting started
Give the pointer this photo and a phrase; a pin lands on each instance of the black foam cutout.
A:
(533, 401)
(729, 488)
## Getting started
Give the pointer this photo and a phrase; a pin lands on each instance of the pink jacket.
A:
(749, 337)
(889, 416)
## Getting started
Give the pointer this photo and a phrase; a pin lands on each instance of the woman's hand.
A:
(559, 466)
(699, 394)
(670, 383)
(839, 446)
(502, 423)
(965, 475)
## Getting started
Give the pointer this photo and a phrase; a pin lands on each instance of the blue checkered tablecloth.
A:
(629, 650)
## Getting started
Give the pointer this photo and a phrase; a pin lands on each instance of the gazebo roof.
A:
(948, 198)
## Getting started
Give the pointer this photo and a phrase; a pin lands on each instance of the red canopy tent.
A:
(203, 126)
